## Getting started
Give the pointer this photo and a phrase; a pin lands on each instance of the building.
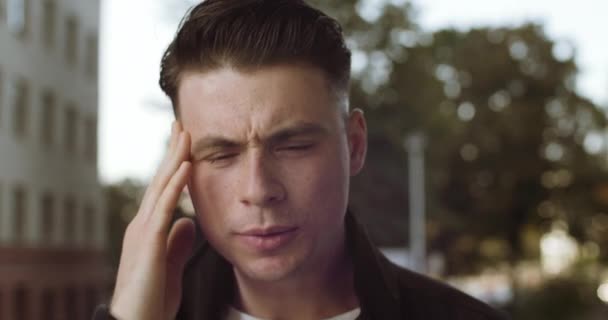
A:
(52, 217)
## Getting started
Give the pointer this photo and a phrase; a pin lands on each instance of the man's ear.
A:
(357, 140)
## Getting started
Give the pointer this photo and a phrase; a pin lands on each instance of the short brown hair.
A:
(255, 33)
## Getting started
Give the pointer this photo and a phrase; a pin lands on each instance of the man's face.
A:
(272, 155)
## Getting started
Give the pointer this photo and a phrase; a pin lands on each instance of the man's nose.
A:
(261, 185)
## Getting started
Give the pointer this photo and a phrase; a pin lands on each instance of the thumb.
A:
(179, 249)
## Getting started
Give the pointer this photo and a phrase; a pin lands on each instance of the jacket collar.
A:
(209, 280)
(375, 284)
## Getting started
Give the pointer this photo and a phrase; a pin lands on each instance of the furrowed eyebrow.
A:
(212, 142)
(281, 135)
(306, 129)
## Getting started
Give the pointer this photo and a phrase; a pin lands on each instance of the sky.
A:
(135, 116)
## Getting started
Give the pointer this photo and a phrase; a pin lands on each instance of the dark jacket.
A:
(385, 291)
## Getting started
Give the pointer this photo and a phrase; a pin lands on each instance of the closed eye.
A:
(295, 147)
(220, 157)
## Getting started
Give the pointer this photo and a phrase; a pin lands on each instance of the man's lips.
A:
(267, 239)
(267, 231)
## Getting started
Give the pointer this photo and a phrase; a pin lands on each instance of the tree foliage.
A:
(506, 133)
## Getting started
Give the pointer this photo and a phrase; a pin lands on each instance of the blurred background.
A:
(487, 167)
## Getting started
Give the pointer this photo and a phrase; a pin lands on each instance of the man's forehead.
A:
(285, 80)
(229, 94)
(270, 98)
(257, 121)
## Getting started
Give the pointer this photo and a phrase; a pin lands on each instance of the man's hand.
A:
(154, 254)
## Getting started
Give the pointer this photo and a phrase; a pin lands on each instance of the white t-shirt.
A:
(234, 314)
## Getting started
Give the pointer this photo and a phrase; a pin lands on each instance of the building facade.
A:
(52, 215)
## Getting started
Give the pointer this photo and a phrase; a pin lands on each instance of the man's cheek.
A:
(208, 225)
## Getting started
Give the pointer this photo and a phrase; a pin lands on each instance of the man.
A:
(266, 144)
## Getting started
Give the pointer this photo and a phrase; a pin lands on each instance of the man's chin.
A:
(268, 269)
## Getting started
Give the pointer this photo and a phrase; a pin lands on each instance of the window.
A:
(17, 16)
(91, 139)
(19, 212)
(91, 56)
(1, 209)
(90, 299)
(70, 128)
(21, 303)
(47, 213)
(47, 119)
(20, 100)
(1, 93)
(89, 223)
(71, 39)
(2, 15)
(71, 308)
(48, 302)
(70, 219)
(48, 23)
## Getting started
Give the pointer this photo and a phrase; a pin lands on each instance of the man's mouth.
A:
(268, 238)
(267, 231)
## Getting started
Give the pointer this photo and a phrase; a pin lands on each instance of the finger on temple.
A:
(175, 131)
(147, 203)
(166, 172)
(163, 212)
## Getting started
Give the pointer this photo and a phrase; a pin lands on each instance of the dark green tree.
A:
(505, 129)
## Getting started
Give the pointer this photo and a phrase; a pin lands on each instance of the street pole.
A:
(415, 144)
